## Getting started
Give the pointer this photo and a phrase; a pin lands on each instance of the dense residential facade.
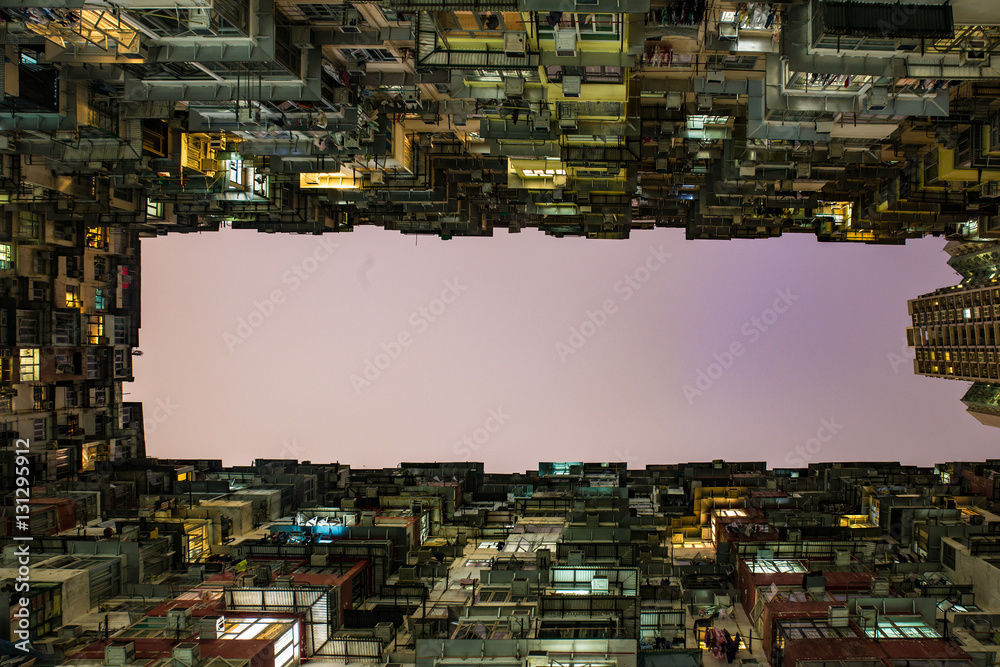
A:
(281, 563)
(851, 120)
(955, 329)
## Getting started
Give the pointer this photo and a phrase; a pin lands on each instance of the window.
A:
(97, 237)
(100, 269)
(98, 396)
(28, 328)
(40, 429)
(261, 183)
(100, 299)
(39, 290)
(29, 364)
(64, 329)
(73, 267)
(236, 174)
(767, 566)
(372, 55)
(6, 257)
(39, 396)
(95, 329)
(154, 209)
(121, 330)
(93, 365)
(903, 627)
(27, 224)
(73, 296)
(121, 363)
(64, 364)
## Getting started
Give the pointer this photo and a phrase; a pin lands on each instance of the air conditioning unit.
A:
(571, 86)
(48, 405)
(187, 655)
(210, 627)
(119, 654)
(868, 617)
(200, 21)
(541, 120)
(675, 100)
(378, 177)
(748, 170)
(838, 617)
(877, 98)
(350, 24)
(300, 37)
(565, 44)
(715, 77)
(974, 58)
(704, 101)
(513, 86)
(907, 44)
(513, 45)
(567, 119)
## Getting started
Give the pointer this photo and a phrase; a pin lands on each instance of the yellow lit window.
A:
(95, 329)
(72, 296)
(97, 237)
(29, 364)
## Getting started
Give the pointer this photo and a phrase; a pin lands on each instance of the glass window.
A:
(6, 256)
(27, 224)
(100, 299)
(29, 364)
(72, 296)
(97, 237)
(236, 174)
(95, 329)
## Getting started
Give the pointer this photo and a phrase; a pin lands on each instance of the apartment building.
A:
(69, 321)
(954, 332)
(837, 563)
(848, 119)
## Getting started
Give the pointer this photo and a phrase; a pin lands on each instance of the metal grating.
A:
(886, 20)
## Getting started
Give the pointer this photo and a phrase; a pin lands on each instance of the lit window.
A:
(29, 364)
(6, 256)
(236, 174)
(154, 209)
(95, 329)
(72, 296)
(97, 237)
(699, 121)
(100, 299)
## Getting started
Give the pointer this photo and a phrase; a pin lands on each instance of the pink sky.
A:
(470, 350)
